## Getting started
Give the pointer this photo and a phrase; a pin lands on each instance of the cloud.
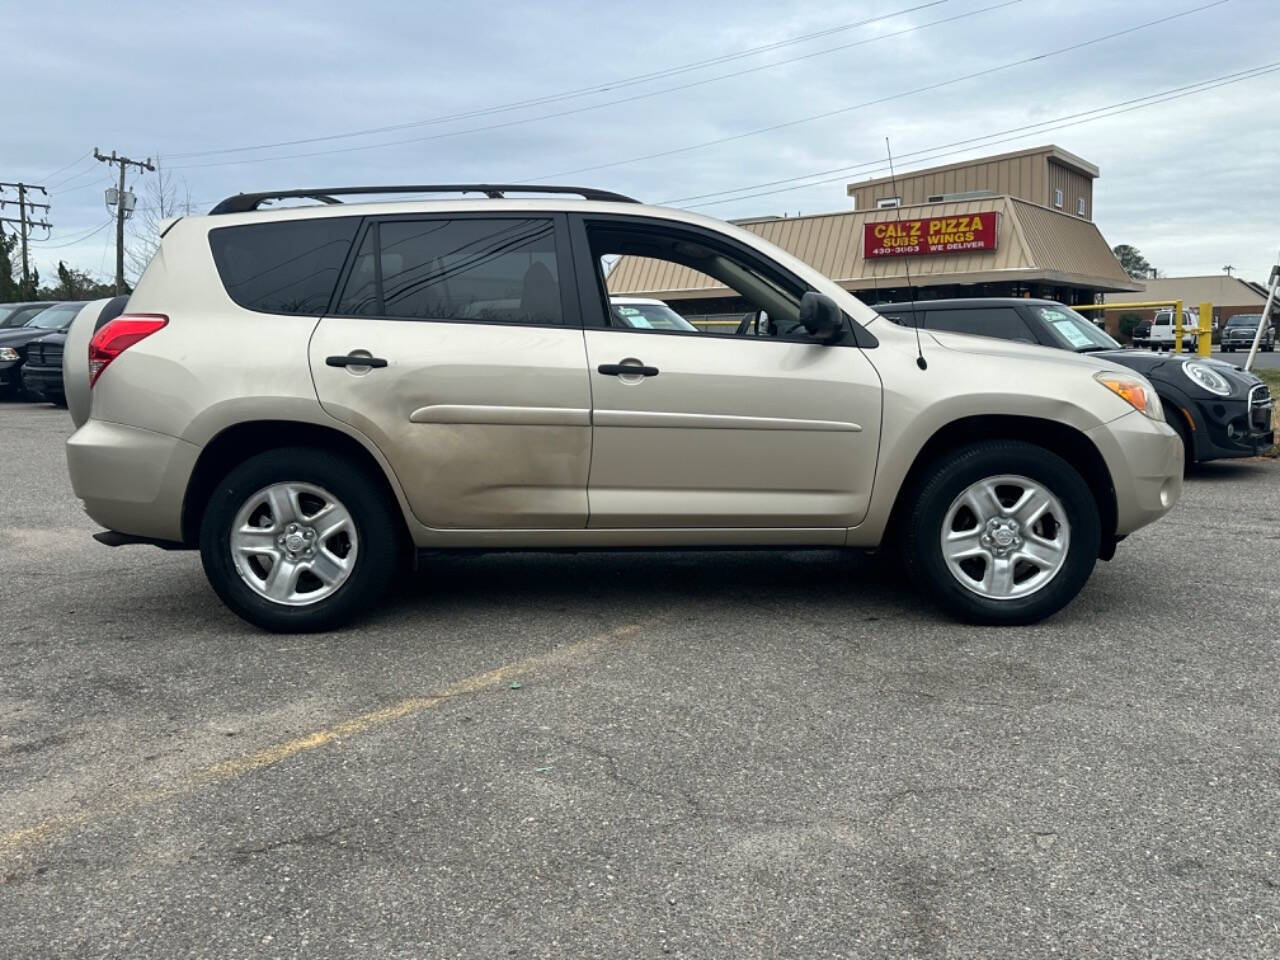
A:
(1189, 182)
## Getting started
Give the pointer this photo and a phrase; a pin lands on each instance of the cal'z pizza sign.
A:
(915, 238)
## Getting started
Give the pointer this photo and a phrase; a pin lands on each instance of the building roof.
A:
(1034, 244)
(1053, 151)
(1216, 288)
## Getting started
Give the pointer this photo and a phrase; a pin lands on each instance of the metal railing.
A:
(1204, 332)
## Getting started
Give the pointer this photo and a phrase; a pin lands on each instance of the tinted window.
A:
(1002, 323)
(499, 271)
(290, 266)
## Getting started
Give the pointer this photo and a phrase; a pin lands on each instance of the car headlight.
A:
(1207, 378)
(8, 353)
(1134, 390)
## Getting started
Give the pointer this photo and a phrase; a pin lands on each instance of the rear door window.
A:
(289, 266)
(478, 269)
(1003, 323)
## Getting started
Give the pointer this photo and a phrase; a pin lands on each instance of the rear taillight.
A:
(118, 336)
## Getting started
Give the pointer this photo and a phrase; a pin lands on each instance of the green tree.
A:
(1133, 262)
(8, 285)
(76, 284)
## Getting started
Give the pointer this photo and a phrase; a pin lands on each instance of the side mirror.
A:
(820, 316)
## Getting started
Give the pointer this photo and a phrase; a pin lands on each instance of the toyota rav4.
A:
(311, 394)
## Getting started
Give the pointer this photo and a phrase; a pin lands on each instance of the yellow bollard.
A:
(1204, 342)
(1177, 326)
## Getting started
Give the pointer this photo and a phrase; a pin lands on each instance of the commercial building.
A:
(1228, 295)
(1014, 225)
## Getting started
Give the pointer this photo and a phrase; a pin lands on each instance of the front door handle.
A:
(354, 360)
(627, 370)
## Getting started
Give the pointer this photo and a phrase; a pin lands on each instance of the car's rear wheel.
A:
(1004, 532)
(299, 540)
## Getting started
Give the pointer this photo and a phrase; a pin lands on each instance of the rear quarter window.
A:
(290, 266)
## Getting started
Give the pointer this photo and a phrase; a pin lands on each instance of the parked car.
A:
(299, 393)
(17, 314)
(1160, 336)
(1141, 333)
(1240, 330)
(42, 374)
(13, 342)
(1218, 409)
(640, 313)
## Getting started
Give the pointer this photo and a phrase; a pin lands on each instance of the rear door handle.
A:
(354, 360)
(627, 370)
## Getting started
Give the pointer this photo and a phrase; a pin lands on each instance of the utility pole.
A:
(25, 223)
(1227, 269)
(123, 209)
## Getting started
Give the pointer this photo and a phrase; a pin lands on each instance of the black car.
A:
(17, 314)
(1217, 408)
(14, 342)
(42, 373)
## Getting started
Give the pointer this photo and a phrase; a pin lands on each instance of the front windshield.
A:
(650, 316)
(1073, 331)
(20, 316)
(55, 318)
(1244, 320)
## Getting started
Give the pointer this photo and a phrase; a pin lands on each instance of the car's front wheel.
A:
(299, 540)
(1004, 532)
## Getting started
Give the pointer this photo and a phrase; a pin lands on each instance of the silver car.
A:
(309, 394)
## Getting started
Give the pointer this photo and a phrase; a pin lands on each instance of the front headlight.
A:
(1204, 376)
(1134, 390)
(8, 353)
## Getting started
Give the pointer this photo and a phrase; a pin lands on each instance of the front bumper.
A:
(10, 373)
(1238, 427)
(131, 480)
(46, 381)
(1144, 458)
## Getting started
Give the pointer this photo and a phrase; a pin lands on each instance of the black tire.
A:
(377, 525)
(967, 466)
(1179, 423)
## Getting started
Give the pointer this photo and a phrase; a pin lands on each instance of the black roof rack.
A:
(244, 202)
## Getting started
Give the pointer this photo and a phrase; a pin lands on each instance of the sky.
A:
(768, 108)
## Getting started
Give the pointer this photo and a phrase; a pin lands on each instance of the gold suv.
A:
(309, 393)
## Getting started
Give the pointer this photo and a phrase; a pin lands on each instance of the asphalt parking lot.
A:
(761, 754)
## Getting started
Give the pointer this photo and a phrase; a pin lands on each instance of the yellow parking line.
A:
(13, 842)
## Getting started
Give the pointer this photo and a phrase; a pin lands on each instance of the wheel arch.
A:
(1066, 441)
(238, 442)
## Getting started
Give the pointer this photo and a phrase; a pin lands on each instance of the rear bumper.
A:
(131, 480)
(1145, 461)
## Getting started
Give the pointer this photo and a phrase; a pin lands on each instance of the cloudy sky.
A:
(751, 108)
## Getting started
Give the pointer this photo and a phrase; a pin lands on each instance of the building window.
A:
(1080, 207)
(888, 203)
(1057, 198)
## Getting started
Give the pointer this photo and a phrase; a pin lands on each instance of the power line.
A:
(1025, 130)
(605, 87)
(600, 106)
(885, 99)
(988, 143)
(75, 176)
(74, 163)
(71, 243)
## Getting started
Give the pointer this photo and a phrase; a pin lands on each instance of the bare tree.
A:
(164, 197)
